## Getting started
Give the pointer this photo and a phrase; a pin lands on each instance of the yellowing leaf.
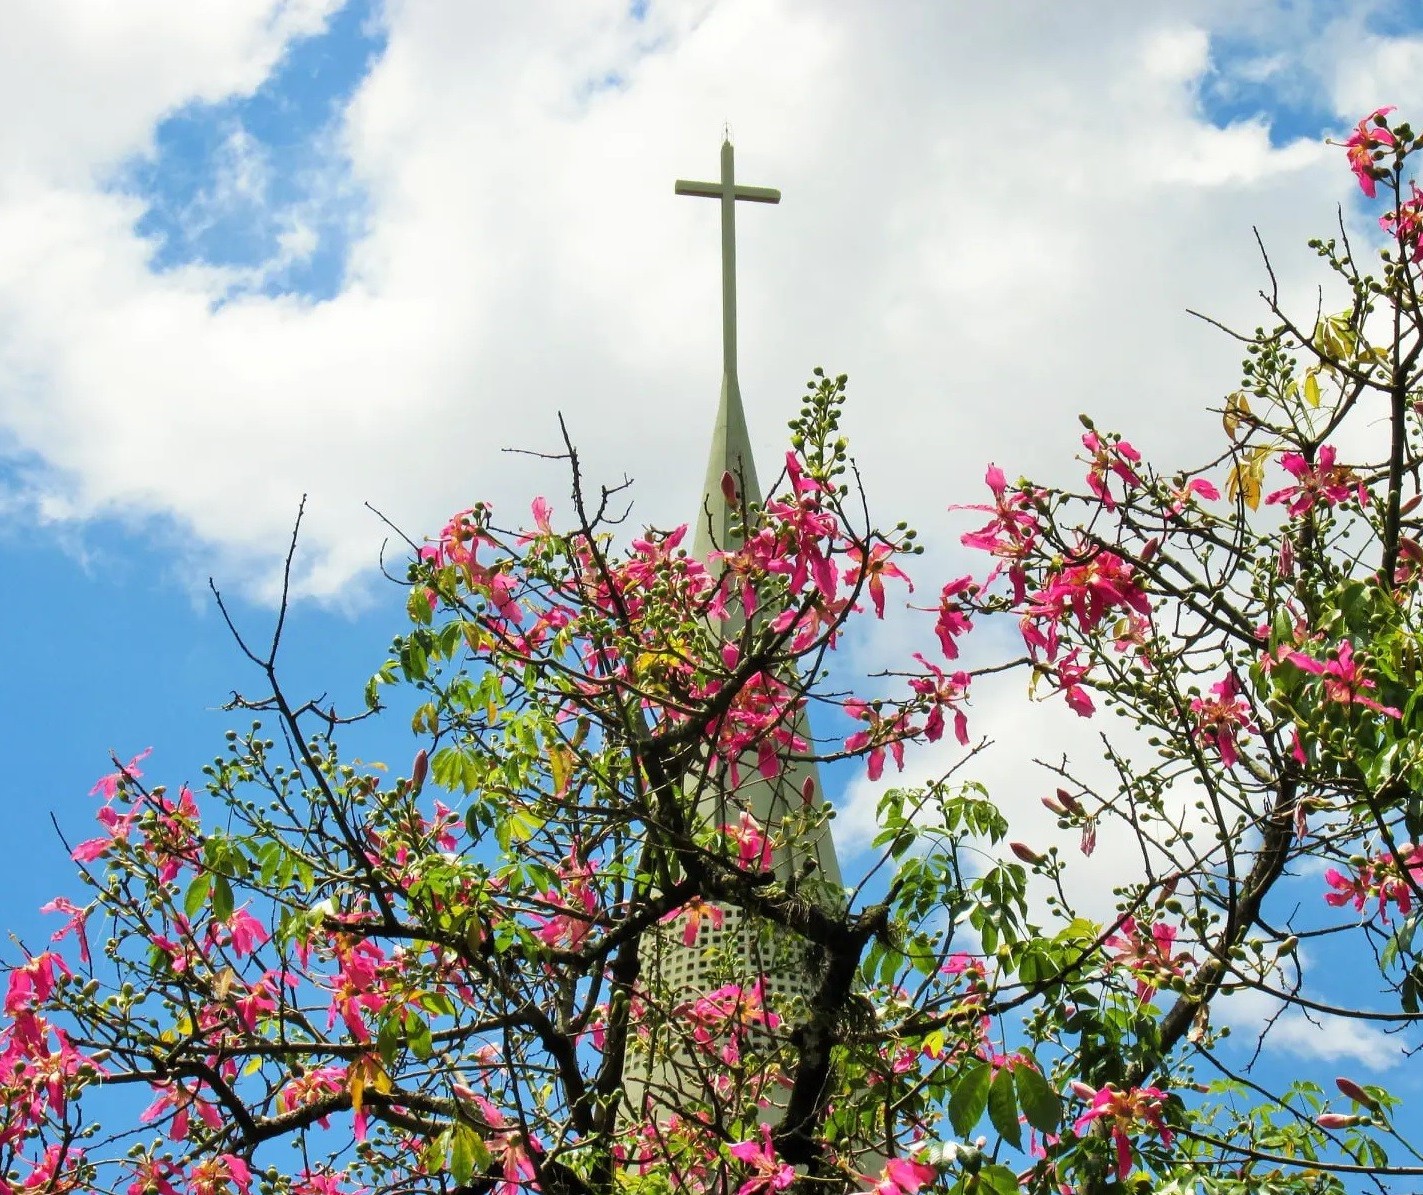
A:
(366, 1073)
(425, 719)
(1246, 477)
(1236, 405)
(1311, 388)
(226, 980)
(560, 765)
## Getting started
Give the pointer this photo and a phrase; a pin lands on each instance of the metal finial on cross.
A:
(728, 192)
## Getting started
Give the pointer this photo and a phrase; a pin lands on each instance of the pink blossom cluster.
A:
(575, 903)
(1125, 1112)
(1145, 952)
(1367, 140)
(39, 1065)
(1222, 718)
(1319, 483)
(1391, 878)
(723, 1021)
(154, 825)
(1342, 679)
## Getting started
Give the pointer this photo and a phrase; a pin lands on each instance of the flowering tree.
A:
(321, 980)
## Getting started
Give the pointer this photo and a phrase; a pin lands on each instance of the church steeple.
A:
(769, 801)
(728, 946)
(731, 445)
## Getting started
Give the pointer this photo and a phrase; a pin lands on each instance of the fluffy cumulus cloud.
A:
(994, 217)
(1313, 1036)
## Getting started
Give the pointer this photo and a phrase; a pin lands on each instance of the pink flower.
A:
(1197, 487)
(108, 786)
(1391, 878)
(312, 1087)
(1367, 137)
(320, 1182)
(154, 1176)
(1123, 1110)
(569, 930)
(54, 1173)
(1406, 223)
(952, 622)
(902, 1176)
(720, 1021)
(1321, 483)
(220, 1175)
(245, 932)
(1069, 677)
(1342, 680)
(32, 983)
(873, 570)
(1009, 534)
(1349, 889)
(174, 1097)
(882, 734)
(75, 924)
(1109, 456)
(945, 692)
(1221, 717)
(696, 911)
(767, 1174)
(1145, 951)
(753, 847)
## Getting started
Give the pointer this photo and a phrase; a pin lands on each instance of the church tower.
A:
(738, 951)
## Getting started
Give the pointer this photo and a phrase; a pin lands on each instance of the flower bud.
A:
(1072, 804)
(1025, 853)
(1338, 1120)
(807, 790)
(419, 770)
(1356, 1093)
(728, 487)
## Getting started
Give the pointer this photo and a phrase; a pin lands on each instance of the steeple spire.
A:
(731, 445)
(731, 946)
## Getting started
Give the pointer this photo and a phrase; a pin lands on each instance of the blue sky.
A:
(354, 250)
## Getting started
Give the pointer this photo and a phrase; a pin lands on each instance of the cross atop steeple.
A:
(728, 192)
(731, 446)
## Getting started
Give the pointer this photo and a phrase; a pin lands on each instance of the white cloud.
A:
(92, 80)
(992, 222)
(1314, 1036)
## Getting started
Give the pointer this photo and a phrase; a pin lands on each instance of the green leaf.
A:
(222, 901)
(970, 1096)
(469, 1154)
(388, 1040)
(1003, 1108)
(1040, 1103)
(197, 895)
(997, 1180)
(462, 1156)
(418, 1033)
